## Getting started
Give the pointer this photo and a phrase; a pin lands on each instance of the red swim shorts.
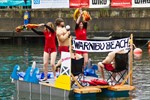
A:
(81, 52)
(109, 67)
(63, 48)
(49, 50)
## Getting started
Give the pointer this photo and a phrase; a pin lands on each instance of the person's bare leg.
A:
(53, 58)
(58, 63)
(101, 69)
(85, 56)
(110, 57)
(45, 61)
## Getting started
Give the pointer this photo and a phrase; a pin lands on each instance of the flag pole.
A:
(131, 59)
(130, 70)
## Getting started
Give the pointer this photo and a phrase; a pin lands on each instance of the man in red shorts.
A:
(62, 37)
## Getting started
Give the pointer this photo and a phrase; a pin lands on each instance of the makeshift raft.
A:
(50, 89)
(62, 86)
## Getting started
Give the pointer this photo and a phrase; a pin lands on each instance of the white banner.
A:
(99, 3)
(141, 3)
(101, 46)
(65, 64)
(37, 4)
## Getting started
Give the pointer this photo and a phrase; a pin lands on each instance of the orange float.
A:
(138, 56)
(137, 51)
(86, 16)
(149, 51)
(32, 25)
(148, 44)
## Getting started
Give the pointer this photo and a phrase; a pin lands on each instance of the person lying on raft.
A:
(62, 37)
(49, 48)
(108, 62)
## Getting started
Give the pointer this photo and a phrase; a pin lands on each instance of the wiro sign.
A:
(101, 46)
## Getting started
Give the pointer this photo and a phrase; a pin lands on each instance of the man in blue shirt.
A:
(26, 17)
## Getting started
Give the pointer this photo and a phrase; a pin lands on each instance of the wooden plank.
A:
(76, 81)
(104, 86)
(87, 90)
(121, 88)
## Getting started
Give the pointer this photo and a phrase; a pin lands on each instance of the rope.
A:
(142, 46)
(145, 44)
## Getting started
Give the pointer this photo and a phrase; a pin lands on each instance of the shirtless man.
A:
(62, 37)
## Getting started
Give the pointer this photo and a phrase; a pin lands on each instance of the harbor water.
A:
(24, 55)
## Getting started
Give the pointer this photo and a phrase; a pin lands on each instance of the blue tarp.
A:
(15, 3)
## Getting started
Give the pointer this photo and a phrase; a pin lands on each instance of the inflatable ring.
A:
(76, 14)
(86, 16)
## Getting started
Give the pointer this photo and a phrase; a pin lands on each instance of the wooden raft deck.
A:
(92, 89)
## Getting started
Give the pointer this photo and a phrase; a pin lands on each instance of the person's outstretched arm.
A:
(78, 20)
(37, 32)
(52, 30)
